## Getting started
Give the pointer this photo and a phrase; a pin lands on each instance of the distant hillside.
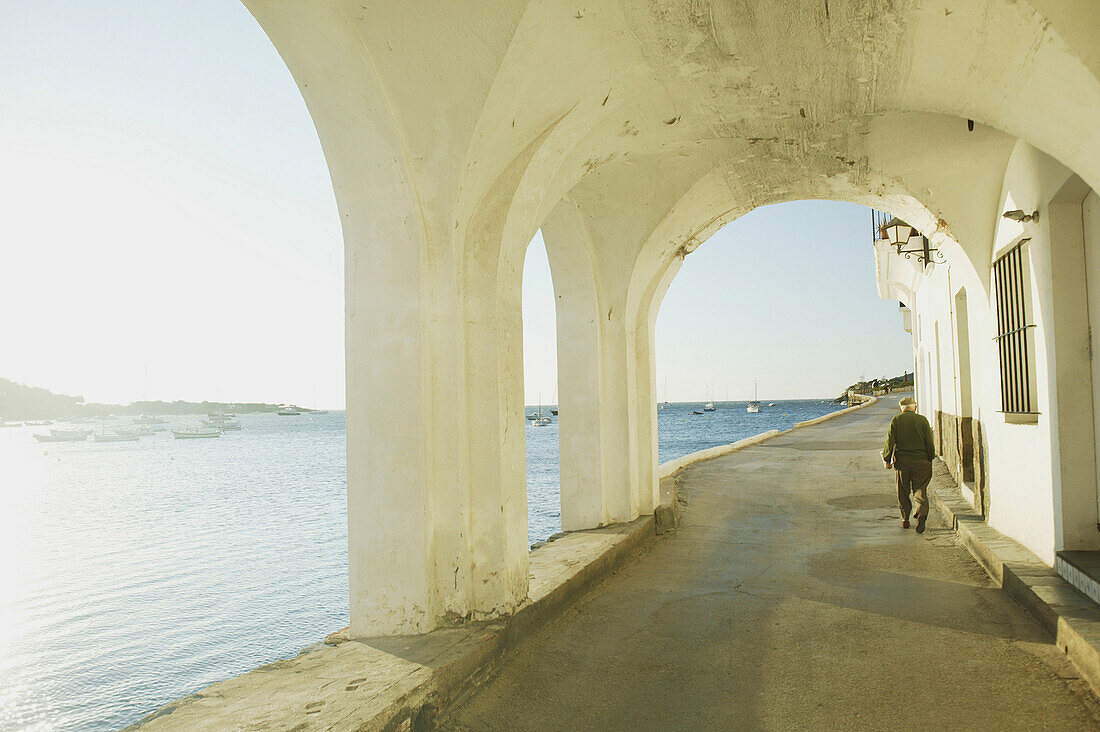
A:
(897, 383)
(18, 402)
(30, 402)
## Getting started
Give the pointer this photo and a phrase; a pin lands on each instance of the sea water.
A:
(135, 573)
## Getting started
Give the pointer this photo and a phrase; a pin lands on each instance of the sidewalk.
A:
(790, 598)
(1070, 617)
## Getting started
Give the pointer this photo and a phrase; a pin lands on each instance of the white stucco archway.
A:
(631, 130)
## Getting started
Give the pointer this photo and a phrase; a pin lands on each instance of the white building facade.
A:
(1002, 351)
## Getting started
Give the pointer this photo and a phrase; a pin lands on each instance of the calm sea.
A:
(135, 573)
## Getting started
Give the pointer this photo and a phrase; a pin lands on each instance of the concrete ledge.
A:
(402, 682)
(1070, 617)
(671, 467)
(674, 466)
(832, 415)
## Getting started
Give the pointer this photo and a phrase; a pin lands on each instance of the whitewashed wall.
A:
(1042, 475)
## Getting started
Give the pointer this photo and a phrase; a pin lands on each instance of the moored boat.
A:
(192, 433)
(82, 434)
(222, 425)
(754, 405)
(289, 411)
(115, 437)
(80, 437)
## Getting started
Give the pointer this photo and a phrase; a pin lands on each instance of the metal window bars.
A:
(878, 224)
(1012, 333)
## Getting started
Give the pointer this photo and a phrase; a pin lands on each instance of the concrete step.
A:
(1082, 570)
(1071, 616)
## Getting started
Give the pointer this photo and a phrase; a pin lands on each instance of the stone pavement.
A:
(790, 598)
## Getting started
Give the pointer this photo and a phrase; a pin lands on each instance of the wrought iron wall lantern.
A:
(898, 233)
(1018, 215)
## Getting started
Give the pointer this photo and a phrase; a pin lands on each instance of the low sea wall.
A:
(670, 467)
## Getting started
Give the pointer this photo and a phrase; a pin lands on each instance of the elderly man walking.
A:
(909, 451)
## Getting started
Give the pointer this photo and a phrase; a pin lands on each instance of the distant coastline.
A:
(20, 402)
(878, 387)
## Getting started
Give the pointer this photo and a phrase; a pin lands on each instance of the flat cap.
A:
(907, 402)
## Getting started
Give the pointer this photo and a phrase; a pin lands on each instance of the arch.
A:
(452, 133)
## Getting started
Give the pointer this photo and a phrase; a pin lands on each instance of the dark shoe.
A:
(905, 523)
(920, 524)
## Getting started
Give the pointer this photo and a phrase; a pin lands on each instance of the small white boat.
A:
(754, 405)
(223, 425)
(289, 411)
(80, 434)
(540, 420)
(709, 407)
(62, 438)
(115, 437)
(38, 422)
(771, 404)
(193, 433)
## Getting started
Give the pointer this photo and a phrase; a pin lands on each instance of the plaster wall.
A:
(1041, 474)
(1090, 220)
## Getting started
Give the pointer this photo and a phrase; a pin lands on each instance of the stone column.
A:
(436, 489)
(598, 472)
(644, 380)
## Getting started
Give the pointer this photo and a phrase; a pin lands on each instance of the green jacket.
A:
(910, 436)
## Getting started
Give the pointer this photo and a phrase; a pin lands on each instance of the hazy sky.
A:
(167, 212)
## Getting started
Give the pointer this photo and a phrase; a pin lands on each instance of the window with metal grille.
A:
(1014, 339)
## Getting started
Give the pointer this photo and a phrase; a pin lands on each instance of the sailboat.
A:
(540, 419)
(664, 404)
(754, 405)
(709, 406)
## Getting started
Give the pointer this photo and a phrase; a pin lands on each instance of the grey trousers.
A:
(913, 476)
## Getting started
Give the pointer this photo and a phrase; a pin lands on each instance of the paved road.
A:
(790, 598)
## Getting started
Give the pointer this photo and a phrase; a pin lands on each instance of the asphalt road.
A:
(790, 598)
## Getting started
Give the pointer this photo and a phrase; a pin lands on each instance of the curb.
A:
(671, 467)
(1069, 616)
